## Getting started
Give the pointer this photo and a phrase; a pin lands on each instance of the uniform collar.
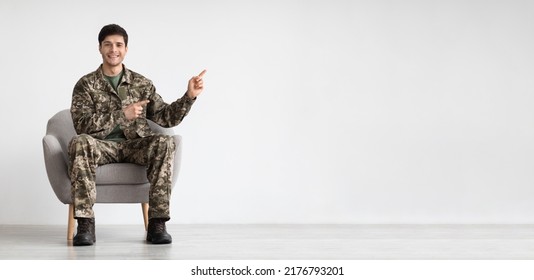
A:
(126, 76)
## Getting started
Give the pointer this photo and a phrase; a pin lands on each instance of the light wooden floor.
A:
(277, 242)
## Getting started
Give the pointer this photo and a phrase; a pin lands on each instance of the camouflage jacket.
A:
(97, 108)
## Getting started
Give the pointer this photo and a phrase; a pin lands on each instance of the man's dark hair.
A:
(112, 29)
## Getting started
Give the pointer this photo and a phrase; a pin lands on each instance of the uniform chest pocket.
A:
(137, 93)
(105, 102)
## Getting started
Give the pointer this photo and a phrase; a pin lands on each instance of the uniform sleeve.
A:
(168, 115)
(91, 112)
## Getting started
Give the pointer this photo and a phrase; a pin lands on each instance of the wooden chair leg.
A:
(71, 222)
(144, 207)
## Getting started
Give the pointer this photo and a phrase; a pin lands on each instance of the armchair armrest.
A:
(57, 168)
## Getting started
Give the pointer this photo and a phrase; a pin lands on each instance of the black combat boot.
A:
(85, 234)
(157, 232)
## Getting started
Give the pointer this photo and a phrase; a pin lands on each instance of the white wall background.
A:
(331, 111)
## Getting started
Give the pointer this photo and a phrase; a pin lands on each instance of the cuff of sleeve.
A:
(189, 99)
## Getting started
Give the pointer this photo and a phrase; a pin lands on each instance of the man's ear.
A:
(100, 48)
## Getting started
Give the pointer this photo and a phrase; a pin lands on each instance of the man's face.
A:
(113, 49)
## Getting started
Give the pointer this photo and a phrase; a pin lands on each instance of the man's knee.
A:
(81, 140)
(80, 144)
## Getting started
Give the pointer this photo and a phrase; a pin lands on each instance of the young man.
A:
(110, 108)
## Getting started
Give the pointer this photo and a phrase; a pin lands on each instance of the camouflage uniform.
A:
(96, 110)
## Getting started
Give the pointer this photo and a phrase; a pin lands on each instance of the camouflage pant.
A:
(155, 152)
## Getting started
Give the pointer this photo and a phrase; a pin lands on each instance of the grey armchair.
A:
(115, 183)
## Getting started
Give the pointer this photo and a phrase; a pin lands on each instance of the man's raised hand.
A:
(195, 85)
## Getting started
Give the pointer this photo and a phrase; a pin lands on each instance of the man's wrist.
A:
(189, 96)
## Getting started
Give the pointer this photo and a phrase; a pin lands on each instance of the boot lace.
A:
(159, 226)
